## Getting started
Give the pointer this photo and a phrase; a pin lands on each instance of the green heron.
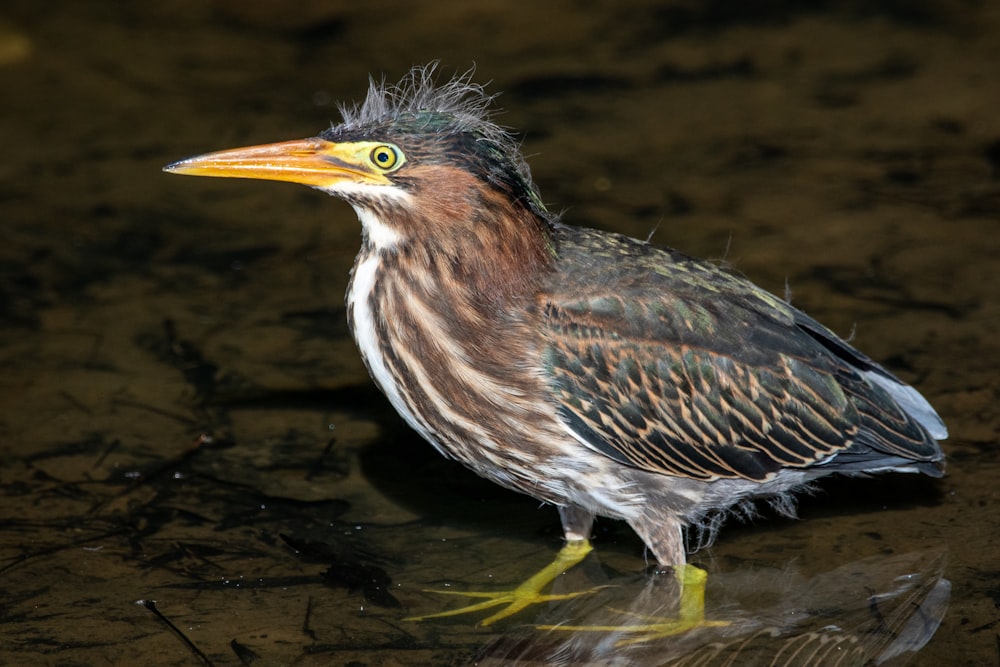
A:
(599, 373)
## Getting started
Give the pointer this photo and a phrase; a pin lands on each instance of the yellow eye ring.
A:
(385, 157)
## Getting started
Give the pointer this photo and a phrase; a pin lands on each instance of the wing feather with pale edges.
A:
(673, 365)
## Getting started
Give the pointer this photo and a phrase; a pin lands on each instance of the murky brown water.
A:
(185, 421)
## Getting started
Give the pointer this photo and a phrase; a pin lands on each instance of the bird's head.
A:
(416, 160)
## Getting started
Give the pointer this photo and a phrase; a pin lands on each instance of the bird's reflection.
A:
(876, 611)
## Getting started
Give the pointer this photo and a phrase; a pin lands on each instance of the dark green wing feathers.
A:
(673, 365)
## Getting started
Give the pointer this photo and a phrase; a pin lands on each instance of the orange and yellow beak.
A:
(315, 162)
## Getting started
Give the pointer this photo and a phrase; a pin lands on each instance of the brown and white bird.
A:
(601, 374)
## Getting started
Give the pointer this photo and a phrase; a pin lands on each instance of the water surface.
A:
(195, 466)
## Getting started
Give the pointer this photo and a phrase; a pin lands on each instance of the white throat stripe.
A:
(381, 235)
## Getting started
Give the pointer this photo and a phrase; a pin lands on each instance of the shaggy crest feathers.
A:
(418, 105)
(458, 106)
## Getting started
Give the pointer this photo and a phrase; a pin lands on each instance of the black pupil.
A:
(382, 156)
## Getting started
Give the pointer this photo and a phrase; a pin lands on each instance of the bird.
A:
(604, 375)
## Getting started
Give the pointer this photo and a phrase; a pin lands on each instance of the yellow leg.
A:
(690, 613)
(525, 595)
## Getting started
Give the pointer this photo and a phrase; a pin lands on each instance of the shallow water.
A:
(195, 467)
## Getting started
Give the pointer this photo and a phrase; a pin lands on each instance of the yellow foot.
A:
(525, 595)
(690, 613)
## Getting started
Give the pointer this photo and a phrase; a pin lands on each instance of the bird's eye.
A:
(385, 157)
